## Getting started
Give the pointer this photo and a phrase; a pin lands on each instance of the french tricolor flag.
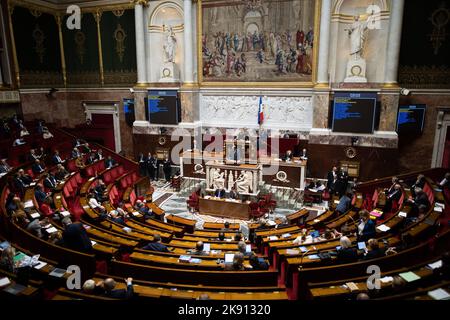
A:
(260, 112)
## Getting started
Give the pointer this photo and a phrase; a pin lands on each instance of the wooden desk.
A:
(222, 208)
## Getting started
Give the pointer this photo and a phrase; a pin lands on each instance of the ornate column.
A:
(98, 18)
(394, 42)
(61, 49)
(325, 26)
(188, 42)
(140, 42)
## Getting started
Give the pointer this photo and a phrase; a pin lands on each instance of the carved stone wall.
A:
(280, 112)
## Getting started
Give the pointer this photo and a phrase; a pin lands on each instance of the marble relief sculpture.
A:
(244, 182)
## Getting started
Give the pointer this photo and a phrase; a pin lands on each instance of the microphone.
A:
(301, 260)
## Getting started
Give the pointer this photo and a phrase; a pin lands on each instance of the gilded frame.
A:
(265, 84)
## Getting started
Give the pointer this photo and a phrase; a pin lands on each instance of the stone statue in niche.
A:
(169, 45)
(356, 66)
(218, 179)
(169, 71)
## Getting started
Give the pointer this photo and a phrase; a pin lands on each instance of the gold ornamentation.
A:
(440, 19)
(36, 79)
(142, 2)
(80, 40)
(120, 77)
(39, 37)
(119, 12)
(119, 36)
(36, 13)
(162, 140)
(424, 77)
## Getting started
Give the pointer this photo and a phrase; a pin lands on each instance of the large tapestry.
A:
(425, 48)
(258, 40)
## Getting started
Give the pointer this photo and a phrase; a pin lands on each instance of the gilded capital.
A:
(142, 2)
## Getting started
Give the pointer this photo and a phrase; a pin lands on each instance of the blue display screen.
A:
(354, 112)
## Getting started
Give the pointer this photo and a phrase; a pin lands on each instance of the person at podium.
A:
(220, 193)
(288, 156)
(233, 193)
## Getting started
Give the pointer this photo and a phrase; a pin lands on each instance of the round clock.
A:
(166, 72)
(350, 152)
(356, 70)
(162, 140)
(281, 175)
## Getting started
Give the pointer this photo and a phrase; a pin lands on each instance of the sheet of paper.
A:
(383, 228)
(40, 265)
(35, 215)
(28, 204)
(4, 282)
(409, 276)
(439, 294)
(438, 209)
(435, 265)
(207, 247)
(387, 279)
(65, 213)
(273, 238)
(51, 230)
(292, 251)
(402, 214)
(313, 257)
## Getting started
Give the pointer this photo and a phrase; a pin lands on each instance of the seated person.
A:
(99, 154)
(395, 181)
(346, 254)
(79, 163)
(61, 173)
(220, 193)
(366, 226)
(344, 204)
(156, 245)
(237, 236)
(4, 166)
(226, 226)
(198, 251)
(288, 156)
(37, 167)
(109, 162)
(7, 262)
(420, 183)
(420, 198)
(100, 191)
(115, 217)
(91, 158)
(34, 226)
(392, 194)
(50, 182)
(40, 194)
(238, 263)
(233, 193)
(242, 248)
(144, 210)
(75, 153)
(56, 238)
(56, 159)
(109, 290)
(76, 238)
(221, 236)
(25, 178)
(258, 263)
(94, 204)
(374, 250)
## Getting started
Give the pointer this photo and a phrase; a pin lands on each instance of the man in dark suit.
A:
(156, 245)
(332, 177)
(109, 285)
(288, 156)
(142, 160)
(374, 250)
(220, 193)
(100, 190)
(50, 182)
(39, 193)
(56, 159)
(91, 158)
(167, 168)
(37, 167)
(420, 200)
(76, 238)
(152, 166)
(233, 193)
(109, 162)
